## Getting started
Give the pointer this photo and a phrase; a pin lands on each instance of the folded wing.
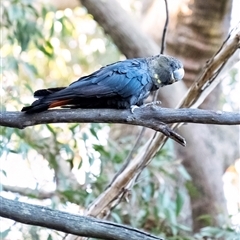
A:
(117, 85)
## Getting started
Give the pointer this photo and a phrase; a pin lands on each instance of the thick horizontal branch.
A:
(149, 116)
(68, 223)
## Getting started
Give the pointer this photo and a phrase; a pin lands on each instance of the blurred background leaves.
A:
(45, 47)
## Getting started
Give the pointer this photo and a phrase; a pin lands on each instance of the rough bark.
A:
(69, 223)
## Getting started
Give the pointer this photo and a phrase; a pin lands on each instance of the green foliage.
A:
(217, 233)
(156, 200)
(48, 48)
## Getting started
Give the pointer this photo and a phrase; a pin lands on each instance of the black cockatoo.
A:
(119, 85)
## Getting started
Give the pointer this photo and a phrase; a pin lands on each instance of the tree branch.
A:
(69, 223)
(152, 116)
(28, 192)
(163, 44)
(147, 116)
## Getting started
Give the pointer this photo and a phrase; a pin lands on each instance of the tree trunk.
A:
(199, 31)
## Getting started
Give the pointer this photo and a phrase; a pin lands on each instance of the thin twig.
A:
(130, 154)
(163, 43)
(38, 194)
